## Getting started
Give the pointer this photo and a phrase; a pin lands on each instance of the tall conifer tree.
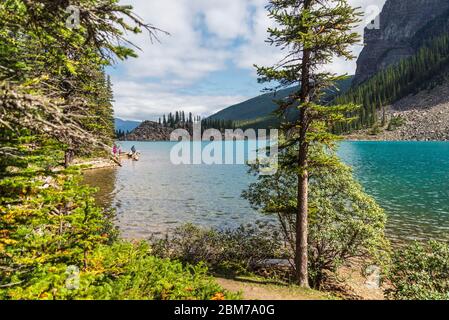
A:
(311, 33)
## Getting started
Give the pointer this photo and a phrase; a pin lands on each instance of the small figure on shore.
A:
(116, 154)
(114, 150)
(134, 155)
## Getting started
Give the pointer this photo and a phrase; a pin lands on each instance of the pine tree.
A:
(67, 68)
(311, 32)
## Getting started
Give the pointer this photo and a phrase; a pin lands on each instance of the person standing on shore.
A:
(134, 154)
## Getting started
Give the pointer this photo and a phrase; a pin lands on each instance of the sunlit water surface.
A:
(410, 180)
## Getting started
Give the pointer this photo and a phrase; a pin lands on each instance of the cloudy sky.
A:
(206, 64)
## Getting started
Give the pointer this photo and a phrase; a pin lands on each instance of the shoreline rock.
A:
(96, 163)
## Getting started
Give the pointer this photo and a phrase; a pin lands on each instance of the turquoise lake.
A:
(410, 180)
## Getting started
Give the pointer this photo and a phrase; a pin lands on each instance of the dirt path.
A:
(254, 290)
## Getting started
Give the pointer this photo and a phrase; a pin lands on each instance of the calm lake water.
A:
(410, 180)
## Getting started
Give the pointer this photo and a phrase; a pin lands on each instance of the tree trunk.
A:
(68, 157)
(302, 232)
(301, 254)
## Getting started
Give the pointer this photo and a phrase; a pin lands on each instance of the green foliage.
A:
(395, 123)
(420, 272)
(230, 252)
(220, 125)
(344, 222)
(178, 120)
(49, 224)
(375, 129)
(304, 27)
(46, 219)
(63, 68)
(122, 271)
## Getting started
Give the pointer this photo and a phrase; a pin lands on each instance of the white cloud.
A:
(145, 101)
(225, 19)
(187, 54)
(256, 50)
(203, 40)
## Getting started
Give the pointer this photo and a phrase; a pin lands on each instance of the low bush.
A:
(420, 272)
(122, 271)
(395, 123)
(375, 130)
(230, 252)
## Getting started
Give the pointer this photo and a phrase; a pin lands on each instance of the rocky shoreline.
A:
(96, 163)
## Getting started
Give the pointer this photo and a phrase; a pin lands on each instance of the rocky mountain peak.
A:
(400, 20)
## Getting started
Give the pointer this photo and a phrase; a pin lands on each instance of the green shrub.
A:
(50, 221)
(420, 272)
(344, 222)
(123, 271)
(375, 130)
(231, 252)
(395, 122)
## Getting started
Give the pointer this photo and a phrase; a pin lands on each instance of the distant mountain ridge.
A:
(125, 125)
(253, 108)
(258, 112)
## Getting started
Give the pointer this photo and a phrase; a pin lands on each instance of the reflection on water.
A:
(105, 181)
(409, 179)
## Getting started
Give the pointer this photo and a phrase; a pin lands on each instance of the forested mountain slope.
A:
(257, 107)
(258, 112)
(392, 89)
